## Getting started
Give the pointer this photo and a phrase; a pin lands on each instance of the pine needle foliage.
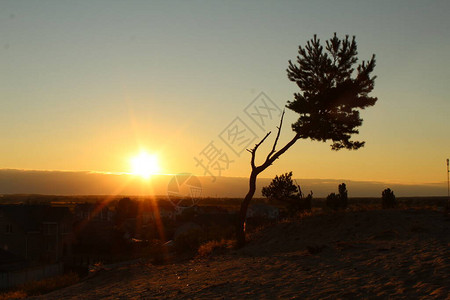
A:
(332, 93)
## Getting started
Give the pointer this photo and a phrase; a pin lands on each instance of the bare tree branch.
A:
(276, 139)
(281, 151)
(253, 150)
(262, 141)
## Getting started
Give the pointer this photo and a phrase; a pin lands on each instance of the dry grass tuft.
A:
(47, 285)
(215, 247)
(40, 287)
(13, 295)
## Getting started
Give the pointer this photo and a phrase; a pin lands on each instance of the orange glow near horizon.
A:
(145, 165)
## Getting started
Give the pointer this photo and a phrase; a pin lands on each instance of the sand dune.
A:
(401, 254)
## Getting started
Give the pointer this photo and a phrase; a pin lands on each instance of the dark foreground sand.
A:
(401, 254)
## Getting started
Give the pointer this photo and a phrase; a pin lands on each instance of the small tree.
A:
(333, 201)
(388, 199)
(338, 201)
(328, 104)
(283, 189)
(343, 195)
(307, 203)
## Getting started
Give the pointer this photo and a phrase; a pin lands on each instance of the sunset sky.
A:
(88, 85)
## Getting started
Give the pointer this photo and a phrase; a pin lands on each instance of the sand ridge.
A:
(401, 254)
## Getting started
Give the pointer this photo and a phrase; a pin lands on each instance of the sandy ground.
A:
(401, 254)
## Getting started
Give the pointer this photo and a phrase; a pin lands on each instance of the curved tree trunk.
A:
(256, 170)
(240, 230)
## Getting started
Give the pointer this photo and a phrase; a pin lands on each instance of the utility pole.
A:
(448, 185)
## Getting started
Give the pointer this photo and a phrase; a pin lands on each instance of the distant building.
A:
(93, 227)
(36, 232)
(150, 213)
(93, 212)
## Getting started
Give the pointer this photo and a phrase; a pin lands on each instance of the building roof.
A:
(29, 217)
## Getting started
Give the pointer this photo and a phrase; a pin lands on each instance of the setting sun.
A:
(144, 165)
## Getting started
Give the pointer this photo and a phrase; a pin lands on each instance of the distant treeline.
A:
(59, 199)
(208, 201)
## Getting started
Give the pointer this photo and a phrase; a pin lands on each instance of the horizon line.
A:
(204, 176)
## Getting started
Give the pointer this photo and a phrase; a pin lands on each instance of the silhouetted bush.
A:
(338, 201)
(300, 203)
(343, 194)
(307, 202)
(333, 201)
(283, 189)
(388, 199)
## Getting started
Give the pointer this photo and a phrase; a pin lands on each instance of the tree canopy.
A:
(331, 93)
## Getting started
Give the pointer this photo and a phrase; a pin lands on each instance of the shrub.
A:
(333, 201)
(343, 194)
(299, 204)
(307, 202)
(283, 189)
(388, 199)
(338, 201)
